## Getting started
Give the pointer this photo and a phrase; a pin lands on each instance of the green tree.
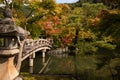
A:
(91, 10)
(75, 21)
(107, 30)
(109, 26)
(28, 14)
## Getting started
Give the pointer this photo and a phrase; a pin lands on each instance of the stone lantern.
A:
(9, 48)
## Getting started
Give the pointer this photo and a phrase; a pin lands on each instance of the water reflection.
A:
(80, 68)
(31, 69)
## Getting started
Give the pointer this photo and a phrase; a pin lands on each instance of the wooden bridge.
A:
(29, 48)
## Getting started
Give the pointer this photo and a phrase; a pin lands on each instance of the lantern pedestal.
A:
(7, 68)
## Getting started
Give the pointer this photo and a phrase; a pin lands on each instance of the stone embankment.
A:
(59, 52)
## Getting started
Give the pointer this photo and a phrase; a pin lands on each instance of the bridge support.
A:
(43, 55)
(31, 62)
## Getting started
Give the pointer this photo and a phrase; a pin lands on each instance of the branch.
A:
(36, 18)
(12, 5)
(30, 13)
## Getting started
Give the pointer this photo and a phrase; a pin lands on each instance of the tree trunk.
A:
(76, 36)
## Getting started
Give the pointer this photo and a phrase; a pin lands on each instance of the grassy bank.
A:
(27, 76)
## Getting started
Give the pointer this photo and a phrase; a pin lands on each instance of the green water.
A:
(71, 68)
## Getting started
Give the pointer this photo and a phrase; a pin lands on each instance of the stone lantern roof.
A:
(8, 28)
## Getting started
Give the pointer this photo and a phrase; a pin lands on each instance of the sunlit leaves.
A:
(49, 4)
(35, 4)
(104, 44)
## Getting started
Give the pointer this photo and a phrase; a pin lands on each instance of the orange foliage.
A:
(67, 39)
(64, 6)
(50, 29)
(85, 34)
(102, 13)
(96, 20)
(56, 20)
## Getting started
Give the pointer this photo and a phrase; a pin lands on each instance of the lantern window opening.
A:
(2, 42)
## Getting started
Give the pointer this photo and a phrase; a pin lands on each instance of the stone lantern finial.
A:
(7, 12)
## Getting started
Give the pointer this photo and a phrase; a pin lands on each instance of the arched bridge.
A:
(31, 46)
(28, 49)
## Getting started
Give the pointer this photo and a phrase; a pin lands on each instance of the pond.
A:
(78, 67)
